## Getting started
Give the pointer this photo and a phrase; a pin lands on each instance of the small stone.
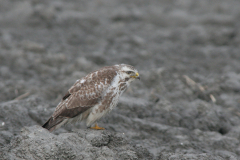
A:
(97, 139)
(33, 47)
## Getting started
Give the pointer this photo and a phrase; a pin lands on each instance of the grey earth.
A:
(186, 106)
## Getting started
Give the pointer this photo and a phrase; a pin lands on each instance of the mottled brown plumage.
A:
(93, 96)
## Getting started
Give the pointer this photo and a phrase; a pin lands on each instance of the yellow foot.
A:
(97, 127)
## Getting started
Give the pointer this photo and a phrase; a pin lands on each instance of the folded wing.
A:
(82, 96)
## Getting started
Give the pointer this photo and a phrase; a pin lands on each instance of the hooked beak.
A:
(136, 76)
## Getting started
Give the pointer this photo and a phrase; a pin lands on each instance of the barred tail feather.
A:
(53, 124)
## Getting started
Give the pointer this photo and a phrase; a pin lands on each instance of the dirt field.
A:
(186, 106)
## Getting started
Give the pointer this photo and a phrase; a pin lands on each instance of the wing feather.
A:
(85, 93)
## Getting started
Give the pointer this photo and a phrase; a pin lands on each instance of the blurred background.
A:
(186, 51)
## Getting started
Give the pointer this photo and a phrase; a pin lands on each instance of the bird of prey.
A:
(93, 96)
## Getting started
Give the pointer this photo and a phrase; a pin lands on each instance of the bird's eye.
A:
(129, 72)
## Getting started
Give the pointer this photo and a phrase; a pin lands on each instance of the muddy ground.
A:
(186, 106)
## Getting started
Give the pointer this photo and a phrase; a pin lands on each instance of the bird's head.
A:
(128, 72)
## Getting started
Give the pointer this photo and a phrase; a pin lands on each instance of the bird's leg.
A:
(97, 127)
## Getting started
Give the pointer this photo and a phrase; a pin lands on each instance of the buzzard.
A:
(93, 96)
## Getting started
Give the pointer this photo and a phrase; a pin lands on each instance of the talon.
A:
(97, 127)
